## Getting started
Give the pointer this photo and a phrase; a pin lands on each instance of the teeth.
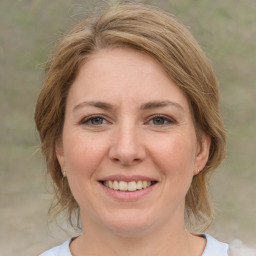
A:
(127, 186)
(132, 186)
(139, 184)
(115, 185)
(144, 184)
(123, 185)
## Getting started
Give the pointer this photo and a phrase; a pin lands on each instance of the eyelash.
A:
(86, 120)
(167, 120)
(164, 118)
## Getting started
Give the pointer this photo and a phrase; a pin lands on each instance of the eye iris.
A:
(158, 121)
(97, 120)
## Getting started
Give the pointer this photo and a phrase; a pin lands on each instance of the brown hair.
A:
(155, 33)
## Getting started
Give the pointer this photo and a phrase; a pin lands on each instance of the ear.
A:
(60, 155)
(202, 153)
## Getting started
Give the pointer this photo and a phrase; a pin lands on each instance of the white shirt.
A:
(213, 248)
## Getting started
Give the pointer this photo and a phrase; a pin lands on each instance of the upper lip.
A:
(121, 177)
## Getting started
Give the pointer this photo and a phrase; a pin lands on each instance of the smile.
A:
(128, 186)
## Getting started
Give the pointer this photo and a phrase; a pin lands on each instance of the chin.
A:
(130, 223)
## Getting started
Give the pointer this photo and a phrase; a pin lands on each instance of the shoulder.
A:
(61, 250)
(215, 247)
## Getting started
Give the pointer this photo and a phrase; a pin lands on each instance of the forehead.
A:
(123, 73)
(119, 62)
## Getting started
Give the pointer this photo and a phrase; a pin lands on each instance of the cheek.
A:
(83, 154)
(175, 155)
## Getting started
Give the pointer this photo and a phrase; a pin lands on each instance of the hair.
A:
(153, 32)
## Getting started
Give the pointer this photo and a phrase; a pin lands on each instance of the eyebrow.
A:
(159, 104)
(145, 106)
(97, 104)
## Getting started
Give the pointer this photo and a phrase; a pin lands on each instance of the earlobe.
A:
(60, 154)
(202, 153)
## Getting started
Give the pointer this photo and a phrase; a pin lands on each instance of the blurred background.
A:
(29, 29)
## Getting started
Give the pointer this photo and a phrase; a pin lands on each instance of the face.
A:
(129, 146)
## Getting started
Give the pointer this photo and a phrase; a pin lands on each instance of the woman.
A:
(131, 130)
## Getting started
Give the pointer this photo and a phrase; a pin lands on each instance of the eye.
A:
(160, 120)
(94, 120)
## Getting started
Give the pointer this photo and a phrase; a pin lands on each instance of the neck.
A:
(168, 240)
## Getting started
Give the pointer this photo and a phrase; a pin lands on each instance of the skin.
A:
(123, 136)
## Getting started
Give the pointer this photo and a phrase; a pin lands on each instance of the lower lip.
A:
(128, 195)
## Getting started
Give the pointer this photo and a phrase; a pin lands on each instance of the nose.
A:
(126, 146)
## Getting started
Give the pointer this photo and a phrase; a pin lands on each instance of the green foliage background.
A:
(29, 30)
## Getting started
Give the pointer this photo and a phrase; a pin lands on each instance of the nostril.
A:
(126, 151)
(126, 160)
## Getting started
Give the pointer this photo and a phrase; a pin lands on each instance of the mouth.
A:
(125, 186)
